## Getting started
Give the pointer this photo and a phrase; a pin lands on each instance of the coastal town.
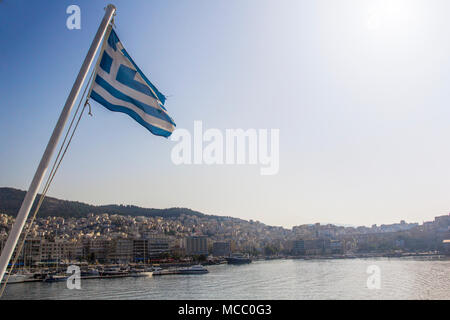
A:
(112, 238)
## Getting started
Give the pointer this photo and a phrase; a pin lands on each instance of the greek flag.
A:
(120, 86)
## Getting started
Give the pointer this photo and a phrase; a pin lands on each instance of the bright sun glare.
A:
(390, 15)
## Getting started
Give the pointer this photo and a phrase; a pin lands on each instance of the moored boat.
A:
(19, 277)
(55, 278)
(113, 272)
(90, 273)
(138, 274)
(15, 278)
(238, 259)
(197, 269)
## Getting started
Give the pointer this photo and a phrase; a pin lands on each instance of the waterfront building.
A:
(122, 251)
(317, 246)
(99, 249)
(56, 251)
(298, 247)
(81, 249)
(337, 247)
(158, 245)
(140, 250)
(221, 249)
(31, 253)
(78, 251)
(446, 247)
(196, 245)
(442, 223)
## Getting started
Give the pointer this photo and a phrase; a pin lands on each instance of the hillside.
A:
(11, 199)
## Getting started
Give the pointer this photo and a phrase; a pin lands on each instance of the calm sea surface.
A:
(277, 279)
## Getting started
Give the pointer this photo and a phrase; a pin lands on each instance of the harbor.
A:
(100, 273)
(262, 279)
(104, 272)
(139, 270)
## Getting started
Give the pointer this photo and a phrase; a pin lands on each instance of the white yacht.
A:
(139, 274)
(17, 277)
(198, 269)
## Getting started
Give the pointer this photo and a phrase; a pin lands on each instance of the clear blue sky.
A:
(359, 90)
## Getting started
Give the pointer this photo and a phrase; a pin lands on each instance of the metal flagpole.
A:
(46, 157)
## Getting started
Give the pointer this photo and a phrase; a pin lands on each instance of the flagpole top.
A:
(110, 7)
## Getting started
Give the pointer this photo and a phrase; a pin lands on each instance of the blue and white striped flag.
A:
(121, 86)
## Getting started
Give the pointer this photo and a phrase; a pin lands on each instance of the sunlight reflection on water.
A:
(276, 279)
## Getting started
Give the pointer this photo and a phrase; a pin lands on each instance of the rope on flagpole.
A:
(59, 157)
(22, 215)
(52, 174)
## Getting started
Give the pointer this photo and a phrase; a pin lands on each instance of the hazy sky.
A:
(359, 90)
